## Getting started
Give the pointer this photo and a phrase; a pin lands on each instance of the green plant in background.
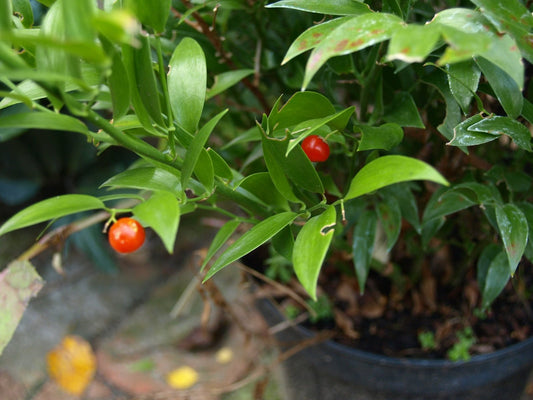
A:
(400, 91)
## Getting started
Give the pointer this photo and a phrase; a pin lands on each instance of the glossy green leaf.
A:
(204, 171)
(504, 53)
(497, 275)
(151, 13)
(444, 202)
(311, 247)
(383, 137)
(463, 79)
(119, 87)
(355, 34)
(187, 79)
(277, 174)
(514, 230)
(403, 47)
(390, 217)
(462, 136)
(283, 243)
(19, 282)
(146, 178)
(363, 245)
(79, 15)
(251, 240)
(161, 212)
(51, 208)
(197, 145)
(505, 88)
(145, 79)
(498, 125)
(386, 170)
(407, 201)
(337, 7)
(6, 10)
(296, 166)
(220, 239)
(302, 106)
(220, 166)
(43, 120)
(310, 38)
(261, 186)
(23, 9)
(226, 80)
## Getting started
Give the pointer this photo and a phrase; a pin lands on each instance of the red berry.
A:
(126, 235)
(316, 148)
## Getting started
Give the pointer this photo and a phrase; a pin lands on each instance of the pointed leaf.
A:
(498, 125)
(43, 120)
(337, 7)
(390, 217)
(403, 47)
(226, 80)
(463, 79)
(403, 111)
(310, 248)
(146, 178)
(355, 34)
(51, 208)
(463, 136)
(497, 276)
(251, 240)
(445, 202)
(196, 147)
(187, 80)
(151, 13)
(363, 245)
(222, 236)
(514, 230)
(161, 212)
(386, 170)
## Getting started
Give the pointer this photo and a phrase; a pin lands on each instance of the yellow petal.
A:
(72, 364)
(182, 378)
(224, 355)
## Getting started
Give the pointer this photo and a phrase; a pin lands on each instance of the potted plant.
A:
(393, 190)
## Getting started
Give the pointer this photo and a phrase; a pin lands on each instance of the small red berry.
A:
(126, 235)
(316, 148)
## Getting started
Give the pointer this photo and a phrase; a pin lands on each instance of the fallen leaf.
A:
(182, 377)
(72, 364)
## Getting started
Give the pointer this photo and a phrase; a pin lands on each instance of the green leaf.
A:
(498, 125)
(197, 145)
(355, 34)
(386, 170)
(403, 47)
(251, 240)
(463, 79)
(444, 202)
(302, 106)
(283, 243)
(79, 15)
(187, 80)
(24, 10)
(507, 91)
(497, 276)
(513, 17)
(311, 246)
(261, 186)
(390, 217)
(151, 13)
(403, 111)
(296, 166)
(337, 7)
(363, 245)
(146, 178)
(226, 80)
(161, 212)
(407, 201)
(310, 38)
(383, 137)
(43, 120)
(221, 168)
(19, 282)
(204, 171)
(52, 208)
(6, 10)
(513, 228)
(222, 236)
(119, 87)
(505, 54)
(462, 136)
(145, 79)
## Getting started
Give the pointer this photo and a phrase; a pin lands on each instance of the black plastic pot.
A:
(329, 371)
